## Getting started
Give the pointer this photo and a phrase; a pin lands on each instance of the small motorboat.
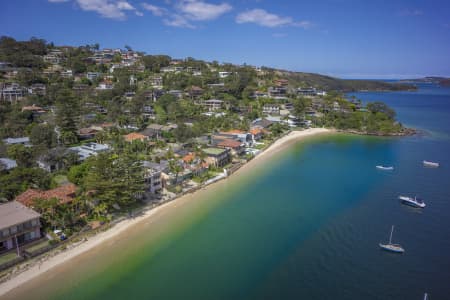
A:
(430, 164)
(392, 247)
(385, 168)
(414, 202)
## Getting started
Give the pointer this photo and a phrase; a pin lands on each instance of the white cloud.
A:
(155, 10)
(178, 21)
(202, 11)
(113, 9)
(263, 18)
(138, 13)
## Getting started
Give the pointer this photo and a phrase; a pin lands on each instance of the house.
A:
(153, 131)
(129, 95)
(257, 133)
(105, 85)
(18, 225)
(307, 91)
(65, 194)
(212, 104)
(236, 147)
(259, 94)
(87, 133)
(12, 92)
(88, 150)
(281, 82)
(7, 164)
(194, 164)
(37, 89)
(52, 160)
(277, 92)
(194, 91)
(224, 74)
(92, 75)
(271, 109)
(157, 82)
(217, 156)
(176, 93)
(36, 110)
(17, 141)
(261, 123)
(153, 176)
(66, 74)
(134, 136)
(238, 135)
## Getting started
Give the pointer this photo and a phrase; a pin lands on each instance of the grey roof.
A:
(161, 167)
(21, 140)
(13, 213)
(8, 163)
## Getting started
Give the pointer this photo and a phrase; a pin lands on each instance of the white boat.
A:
(392, 247)
(414, 202)
(386, 168)
(431, 164)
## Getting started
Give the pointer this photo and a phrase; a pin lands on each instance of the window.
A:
(5, 232)
(34, 222)
(13, 229)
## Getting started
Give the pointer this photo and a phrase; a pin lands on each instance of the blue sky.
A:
(345, 38)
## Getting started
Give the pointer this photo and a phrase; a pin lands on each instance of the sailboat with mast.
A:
(392, 247)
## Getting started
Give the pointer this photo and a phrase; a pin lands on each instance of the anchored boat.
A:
(414, 202)
(386, 168)
(430, 164)
(392, 247)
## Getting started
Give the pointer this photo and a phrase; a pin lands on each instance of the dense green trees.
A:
(43, 135)
(114, 180)
(23, 54)
(19, 179)
(155, 62)
(68, 108)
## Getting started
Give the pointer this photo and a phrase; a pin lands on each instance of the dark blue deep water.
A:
(305, 227)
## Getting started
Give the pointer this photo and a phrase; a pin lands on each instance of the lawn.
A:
(37, 246)
(7, 257)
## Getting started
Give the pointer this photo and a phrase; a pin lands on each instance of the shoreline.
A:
(77, 251)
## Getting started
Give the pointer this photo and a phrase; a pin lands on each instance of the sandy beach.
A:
(107, 237)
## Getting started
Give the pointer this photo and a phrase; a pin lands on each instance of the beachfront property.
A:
(64, 194)
(236, 147)
(153, 176)
(88, 150)
(18, 225)
(217, 157)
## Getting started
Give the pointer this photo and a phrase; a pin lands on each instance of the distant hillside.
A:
(345, 85)
(430, 79)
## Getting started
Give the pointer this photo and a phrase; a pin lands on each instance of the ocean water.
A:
(304, 226)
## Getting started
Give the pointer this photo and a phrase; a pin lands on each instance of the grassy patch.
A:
(37, 246)
(7, 257)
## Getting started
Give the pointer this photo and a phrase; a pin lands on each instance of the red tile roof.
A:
(229, 143)
(64, 193)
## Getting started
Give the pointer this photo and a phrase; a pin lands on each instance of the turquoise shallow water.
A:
(305, 227)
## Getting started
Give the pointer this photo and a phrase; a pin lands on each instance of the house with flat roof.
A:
(7, 163)
(153, 175)
(89, 149)
(18, 225)
(217, 156)
(17, 141)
